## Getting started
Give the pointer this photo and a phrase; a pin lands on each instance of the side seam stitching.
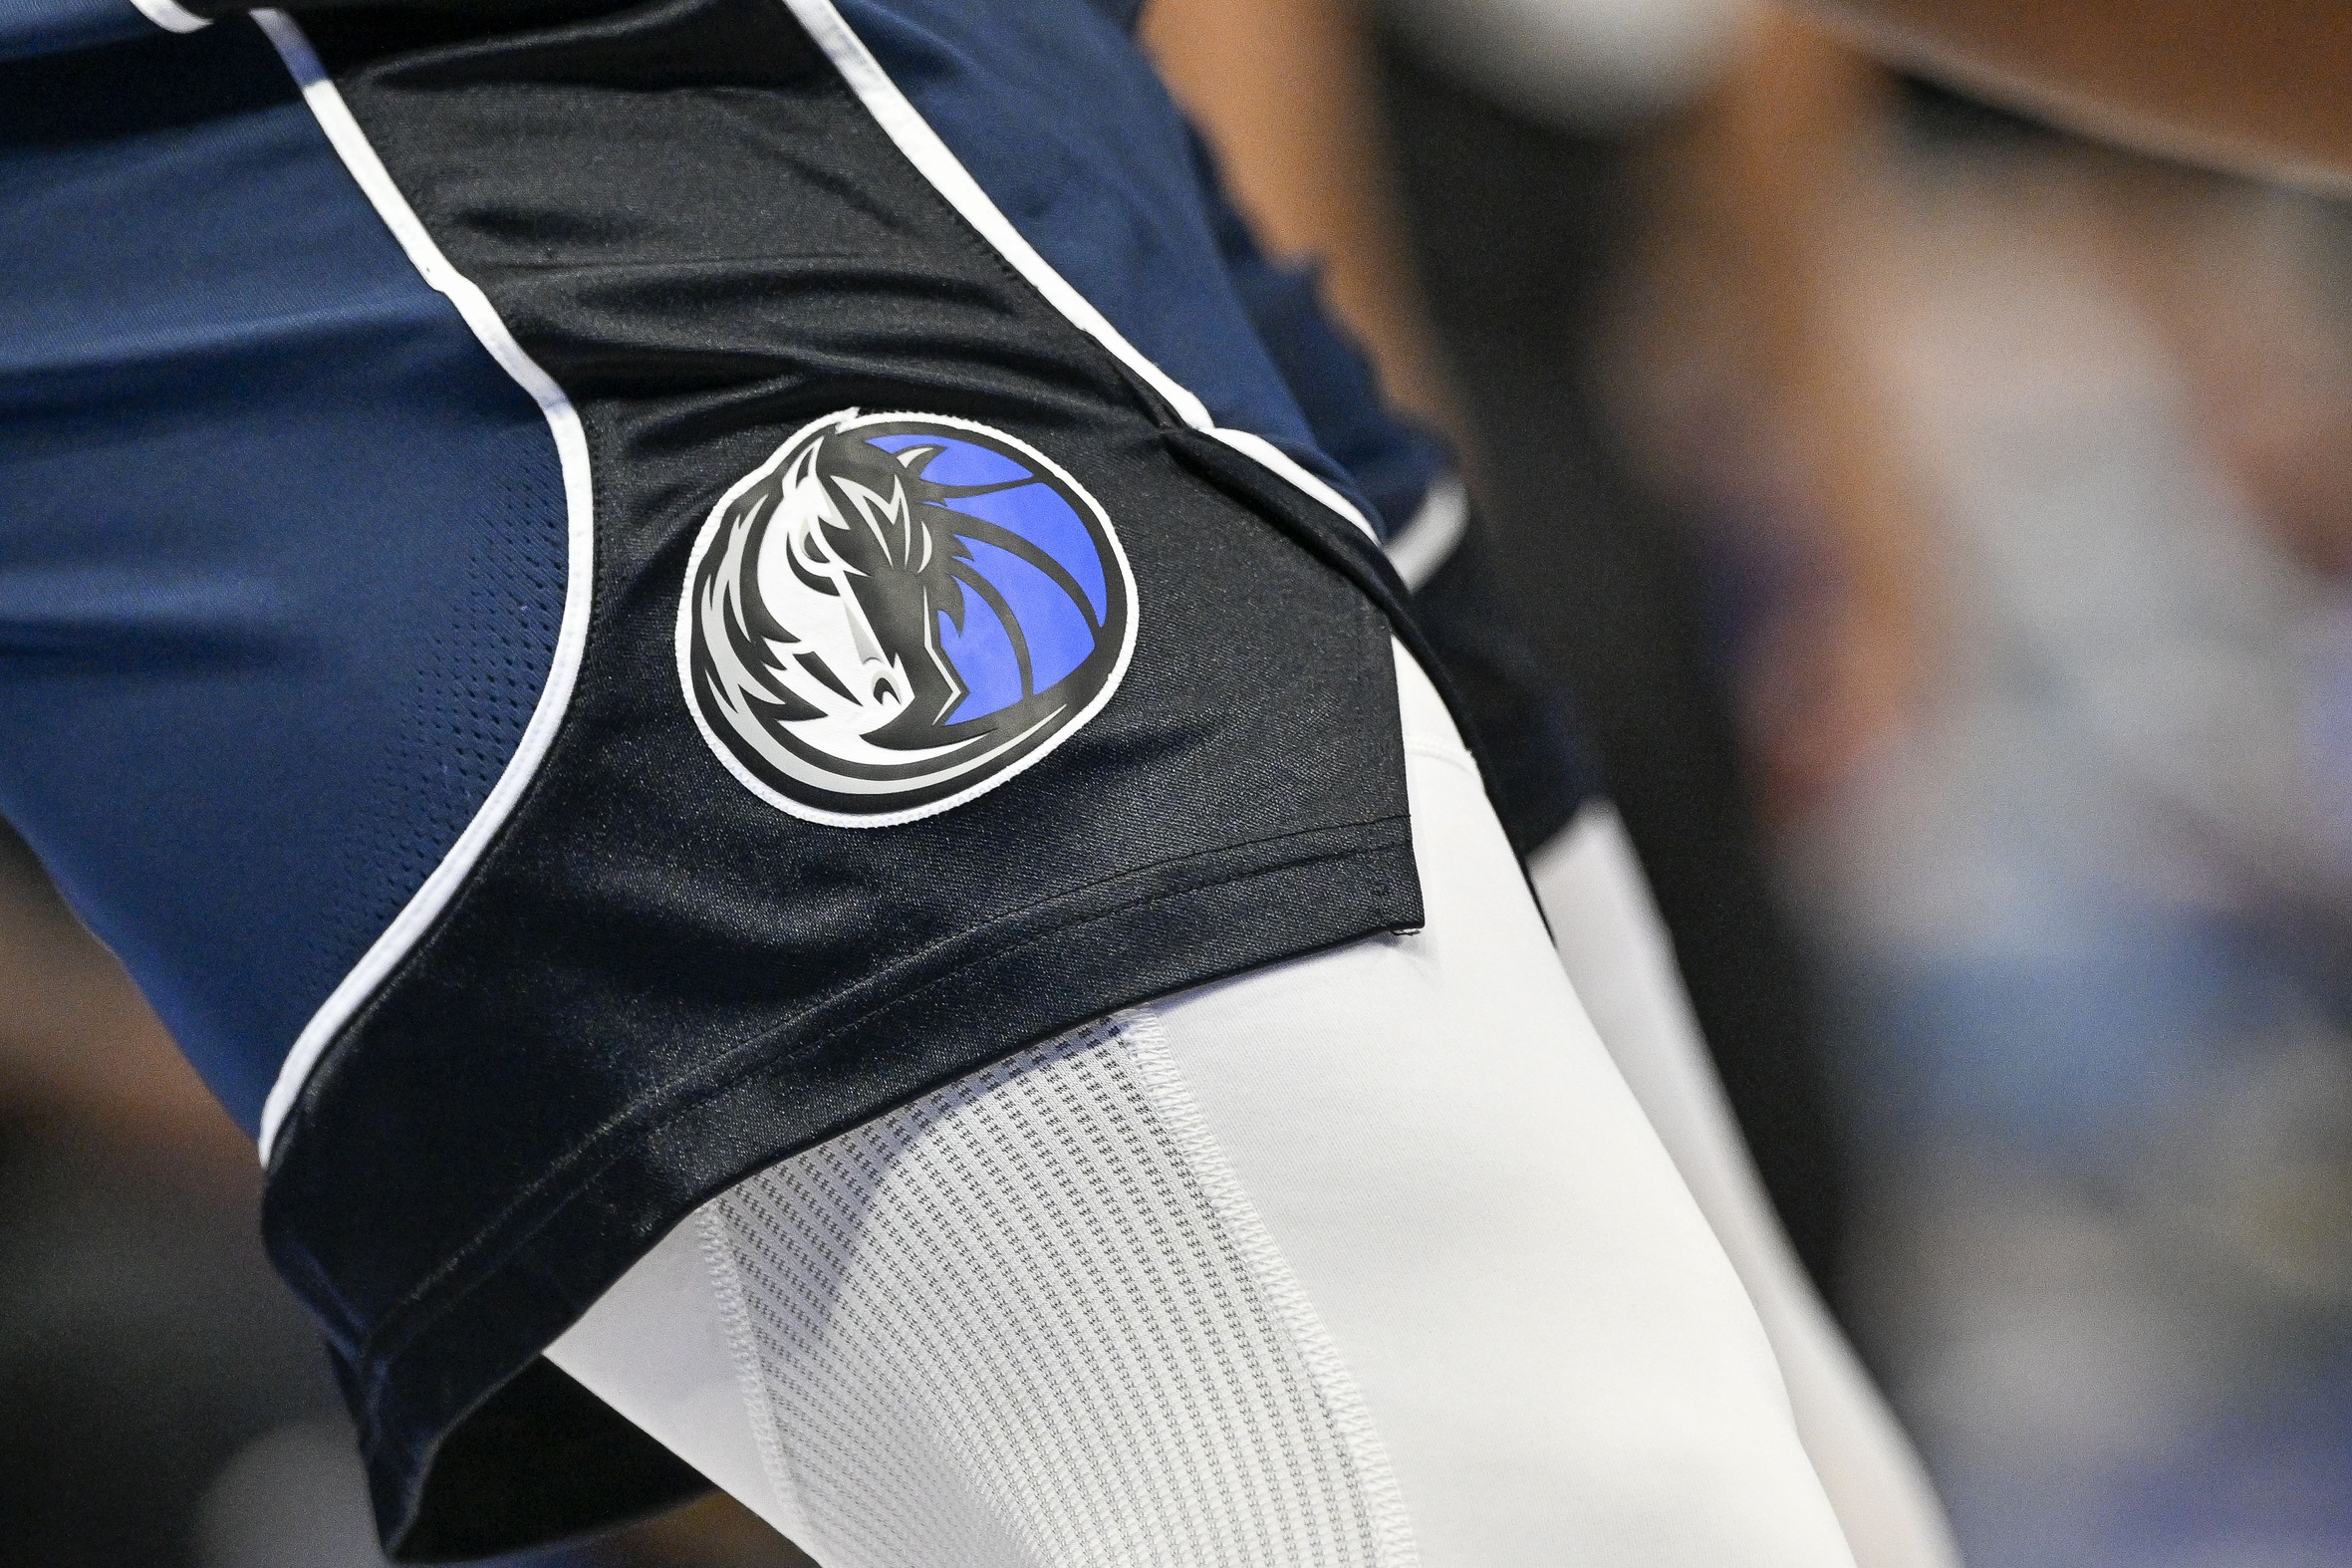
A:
(734, 1312)
(1141, 1032)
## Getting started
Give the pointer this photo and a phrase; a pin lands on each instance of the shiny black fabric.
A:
(655, 984)
(1519, 715)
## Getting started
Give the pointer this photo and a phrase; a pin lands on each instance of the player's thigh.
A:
(1367, 1255)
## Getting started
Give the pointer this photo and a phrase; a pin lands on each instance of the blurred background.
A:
(1946, 526)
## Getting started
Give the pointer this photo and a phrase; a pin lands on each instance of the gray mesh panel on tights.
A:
(1025, 1322)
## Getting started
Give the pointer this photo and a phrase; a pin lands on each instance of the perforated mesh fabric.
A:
(480, 665)
(1031, 1320)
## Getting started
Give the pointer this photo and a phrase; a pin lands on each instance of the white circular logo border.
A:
(850, 420)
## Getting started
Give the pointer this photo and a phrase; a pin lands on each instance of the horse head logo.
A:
(895, 612)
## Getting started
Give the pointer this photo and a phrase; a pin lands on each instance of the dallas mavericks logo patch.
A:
(895, 612)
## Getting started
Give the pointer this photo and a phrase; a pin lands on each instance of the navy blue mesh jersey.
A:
(592, 593)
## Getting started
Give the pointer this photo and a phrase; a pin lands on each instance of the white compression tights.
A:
(1621, 963)
(1367, 1258)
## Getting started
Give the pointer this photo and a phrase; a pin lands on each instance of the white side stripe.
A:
(1428, 541)
(905, 125)
(571, 446)
(171, 16)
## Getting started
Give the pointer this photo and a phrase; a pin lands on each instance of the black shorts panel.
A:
(655, 981)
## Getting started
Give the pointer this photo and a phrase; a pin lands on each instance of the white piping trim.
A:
(171, 16)
(1268, 455)
(1428, 541)
(571, 446)
(905, 125)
